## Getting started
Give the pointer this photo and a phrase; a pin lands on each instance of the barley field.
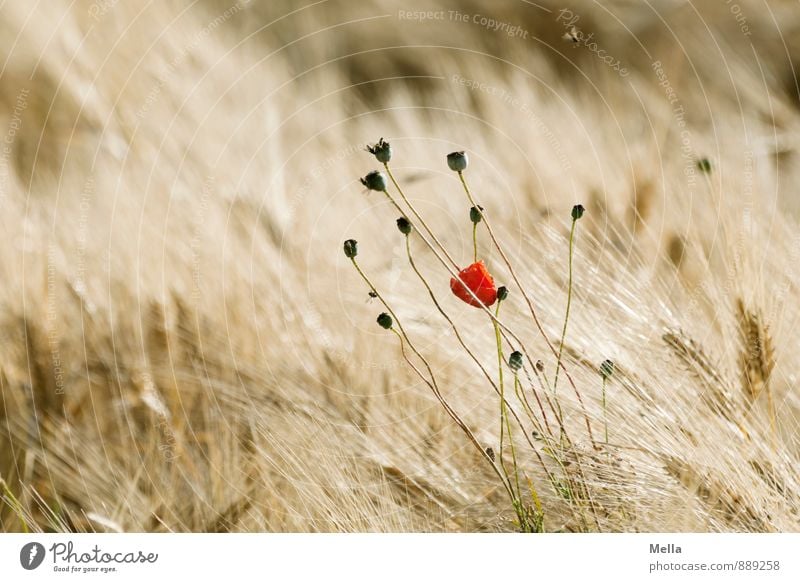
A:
(185, 346)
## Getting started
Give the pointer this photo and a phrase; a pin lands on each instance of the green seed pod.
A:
(350, 248)
(381, 150)
(476, 214)
(704, 165)
(375, 180)
(577, 211)
(403, 225)
(607, 369)
(502, 293)
(457, 161)
(385, 321)
(515, 361)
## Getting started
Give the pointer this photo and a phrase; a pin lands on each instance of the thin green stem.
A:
(454, 273)
(460, 339)
(474, 242)
(432, 384)
(544, 335)
(605, 417)
(569, 303)
(418, 217)
(530, 308)
(485, 309)
(513, 457)
(505, 425)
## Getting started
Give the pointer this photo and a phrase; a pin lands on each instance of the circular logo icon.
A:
(31, 555)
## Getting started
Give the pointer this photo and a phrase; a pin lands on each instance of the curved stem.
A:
(486, 310)
(432, 384)
(505, 425)
(454, 273)
(418, 217)
(502, 390)
(569, 303)
(460, 339)
(530, 308)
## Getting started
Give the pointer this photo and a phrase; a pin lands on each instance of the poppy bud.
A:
(577, 211)
(457, 161)
(539, 365)
(476, 214)
(381, 150)
(490, 452)
(606, 369)
(704, 165)
(385, 321)
(515, 361)
(350, 248)
(502, 293)
(375, 180)
(403, 225)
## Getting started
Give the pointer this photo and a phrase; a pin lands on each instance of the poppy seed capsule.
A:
(704, 165)
(375, 180)
(381, 150)
(457, 161)
(350, 248)
(577, 211)
(502, 293)
(476, 214)
(515, 361)
(385, 321)
(403, 225)
(606, 369)
(539, 365)
(490, 452)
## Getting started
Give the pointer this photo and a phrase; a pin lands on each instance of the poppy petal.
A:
(477, 279)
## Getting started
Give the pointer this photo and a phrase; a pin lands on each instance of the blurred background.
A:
(184, 347)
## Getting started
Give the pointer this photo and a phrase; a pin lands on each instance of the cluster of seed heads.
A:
(458, 161)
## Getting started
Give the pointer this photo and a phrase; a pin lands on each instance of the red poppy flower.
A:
(478, 280)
